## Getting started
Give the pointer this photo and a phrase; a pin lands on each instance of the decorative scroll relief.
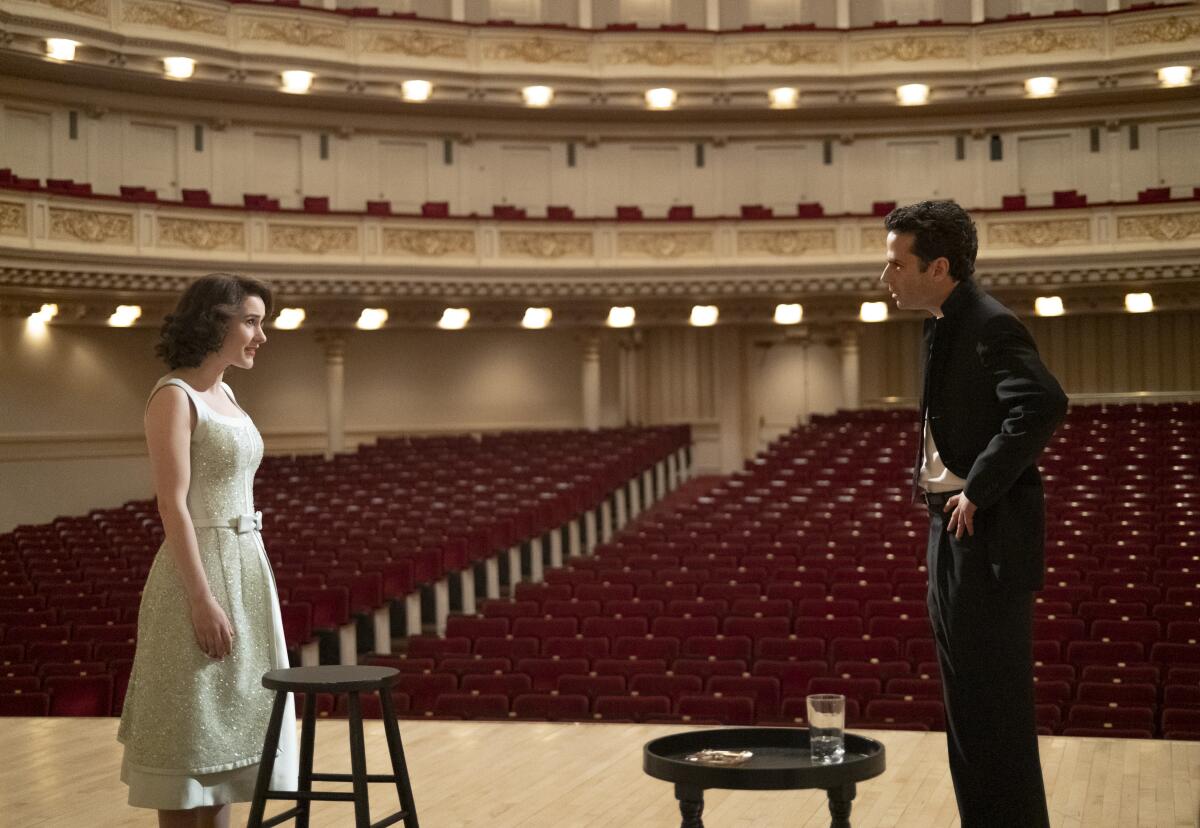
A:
(1160, 227)
(783, 53)
(174, 16)
(96, 8)
(911, 48)
(1040, 42)
(429, 242)
(416, 43)
(1039, 233)
(546, 245)
(293, 33)
(660, 53)
(91, 226)
(786, 242)
(664, 245)
(311, 239)
(537, 50)
(14, 219)
(1171, 30)
(874, 239)
(201, 235)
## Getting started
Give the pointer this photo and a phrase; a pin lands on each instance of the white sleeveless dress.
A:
(193, 727)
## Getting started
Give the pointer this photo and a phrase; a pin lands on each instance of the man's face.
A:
(911, 287)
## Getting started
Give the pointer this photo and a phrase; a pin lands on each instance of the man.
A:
(989, 407)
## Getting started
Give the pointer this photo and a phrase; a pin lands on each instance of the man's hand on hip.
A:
(963, 516)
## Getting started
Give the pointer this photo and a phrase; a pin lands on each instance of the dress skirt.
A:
(193, 727)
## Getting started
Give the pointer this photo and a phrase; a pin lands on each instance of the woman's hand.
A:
(214, 633)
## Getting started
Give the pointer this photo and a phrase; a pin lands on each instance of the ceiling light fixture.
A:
(873, 312)
(912, 94)
(454, 319)
(289, 319)
(1048, 306)
(661, 98)
(371, 319)
(179, 68)
(538, 96)
(416, 91)
(296, 81)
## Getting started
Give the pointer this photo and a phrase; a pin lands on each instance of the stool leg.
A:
(399, 766)
(358, 765)
(267, 763)
(308, 732)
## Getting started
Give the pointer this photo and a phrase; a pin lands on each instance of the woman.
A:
(209, 625)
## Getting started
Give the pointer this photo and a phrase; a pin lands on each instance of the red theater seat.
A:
(79, 695)
(631, 708)
(729, 710)
(471, 706)
(552, 708)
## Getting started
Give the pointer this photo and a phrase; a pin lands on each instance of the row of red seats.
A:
(78, 580)
(197, 197)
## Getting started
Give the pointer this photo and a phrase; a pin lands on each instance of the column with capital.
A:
(590, 382)
(851, 382)
(334, 343)
(842, 14)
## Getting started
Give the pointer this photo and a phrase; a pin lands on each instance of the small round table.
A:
(781, 761)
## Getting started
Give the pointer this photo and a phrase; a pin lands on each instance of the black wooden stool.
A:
(333, 679)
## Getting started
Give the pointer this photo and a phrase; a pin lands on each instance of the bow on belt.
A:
(240, 524)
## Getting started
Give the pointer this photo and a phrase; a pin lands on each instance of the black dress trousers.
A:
(984, 635)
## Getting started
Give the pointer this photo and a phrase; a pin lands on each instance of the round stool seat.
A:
(329, 679)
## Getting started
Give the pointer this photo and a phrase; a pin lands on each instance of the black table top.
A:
(781, 760)
(331, 678)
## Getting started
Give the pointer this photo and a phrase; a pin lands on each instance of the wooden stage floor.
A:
(64, 772)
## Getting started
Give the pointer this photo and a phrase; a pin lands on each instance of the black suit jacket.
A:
(992, 407)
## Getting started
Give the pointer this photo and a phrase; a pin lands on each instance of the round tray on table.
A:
(781, 761)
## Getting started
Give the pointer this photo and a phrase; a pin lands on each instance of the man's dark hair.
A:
(938, 228)
(201, 318)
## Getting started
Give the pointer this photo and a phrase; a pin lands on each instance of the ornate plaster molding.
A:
(91, 226)
(1039, 42)
(1148, 32)
(1163, 227)
(910, 48)
(417, 43)
(293, 33)
(873, 238)
(14, 219)
(786, 242)
(664, 245)
(428, 242)
(590, 288)
(546, 245)
(311, 239)
(661, 53)
(537, 50)
(784, 53)
(1038, 233)
(95, 8)
(175, 16)
(201, 235)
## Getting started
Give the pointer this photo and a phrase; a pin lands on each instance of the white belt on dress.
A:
(240, 524)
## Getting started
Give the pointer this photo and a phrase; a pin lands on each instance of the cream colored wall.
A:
(113, 150)
(1092, 356)
(70, 423)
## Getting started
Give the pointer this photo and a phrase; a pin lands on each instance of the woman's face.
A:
(245, 334)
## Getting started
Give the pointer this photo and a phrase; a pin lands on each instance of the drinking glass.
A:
(826, 727)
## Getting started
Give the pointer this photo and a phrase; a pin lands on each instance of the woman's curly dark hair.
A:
(939, 228)
(201, 318)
